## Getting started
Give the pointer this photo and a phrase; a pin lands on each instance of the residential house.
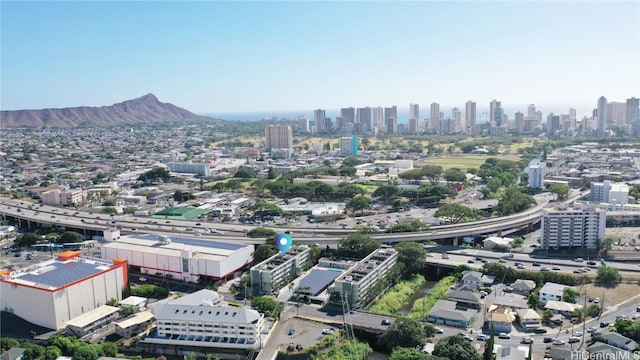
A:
(561, 307)
(560, 353)
(500, 320)
(476, 279)
(523, 287)
(619, 341)
(529, 319)
(551, 291)
(445, 312)
(468, 298)
(600, 350)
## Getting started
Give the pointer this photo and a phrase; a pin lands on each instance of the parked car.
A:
(292, 331)
(547, 339)
(540, 331)
(328, 331)
(604, 324)
(481, 337)
(591, 329)
(439, 330)
(577, 333)
(526, 340)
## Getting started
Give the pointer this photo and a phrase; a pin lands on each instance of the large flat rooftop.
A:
(56, 273)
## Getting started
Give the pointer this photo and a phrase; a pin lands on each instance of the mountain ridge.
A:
(144, 109)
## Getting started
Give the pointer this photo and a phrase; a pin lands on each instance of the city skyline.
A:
(223, 57)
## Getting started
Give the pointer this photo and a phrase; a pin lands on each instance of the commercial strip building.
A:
(572, 228)
(200, 319)
(354, 285)
(53, 292)
(277, 271)
(183, 258)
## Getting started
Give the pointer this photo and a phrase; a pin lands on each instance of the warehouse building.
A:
(53, 292)
(183, 258)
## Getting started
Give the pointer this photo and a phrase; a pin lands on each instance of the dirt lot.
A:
(610, 295)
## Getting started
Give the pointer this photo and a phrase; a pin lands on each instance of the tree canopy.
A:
(412, 255)
(456, 213)
(560, 190)
(456, 347)
(513, 201)
(358, 203)
(608, 275)
(404, 353)
(70, 237)
(357, 245)
(404, 332)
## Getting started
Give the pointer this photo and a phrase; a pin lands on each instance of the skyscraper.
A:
(318, 117)
(303, 123)
(456, 118)
(434, 119)
(348, 115)
(470, 116)
(519, 122)
(633, 115)
(391, 119)
(495, 113)
(364, 116)
(601, 125)
(414, 111)
(278, 137)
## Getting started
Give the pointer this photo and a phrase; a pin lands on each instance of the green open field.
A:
(464, 162)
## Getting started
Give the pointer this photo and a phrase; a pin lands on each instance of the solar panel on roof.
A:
(63, 273)
(318, 279)
(193, 242)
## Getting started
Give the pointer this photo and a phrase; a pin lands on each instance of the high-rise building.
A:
(601, 125)
(495, 113)
(456, 119)
(537, 172)
(412, 126)
(617, 113)
(519, 122)
(318, 117)
(391, 119)
(365, 119)
(377, 116)
(434, 119)
(348, 115)
(633, 115)
(278, 137)
(349, 145)
(608, 192)
(414, 111)
(572, 228)
(470, 116)
(303, 123)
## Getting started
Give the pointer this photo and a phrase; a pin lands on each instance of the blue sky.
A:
(213, 57)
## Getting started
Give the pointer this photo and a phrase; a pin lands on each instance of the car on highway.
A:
(504, 336)
(386, 322)
(591, 329)
(526, 340)
(471, 261)
(502, 261)
(558, 342)
(540, 331)
(591, 262)
(555, 267)
(439, 330)
(536, 264)
(547, 339)
(544, 268)
(577, 333)
(292, 331)
(604, 324)
(328, 331)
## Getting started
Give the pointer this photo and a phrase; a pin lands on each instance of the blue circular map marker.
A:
(284, 242)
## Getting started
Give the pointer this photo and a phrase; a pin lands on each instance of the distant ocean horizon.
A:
(482, 113)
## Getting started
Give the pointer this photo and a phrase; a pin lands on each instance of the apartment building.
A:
(551, 291)
(277, 271)
(354, 284)
(609, 192)
(201, 319)
(571, 228)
